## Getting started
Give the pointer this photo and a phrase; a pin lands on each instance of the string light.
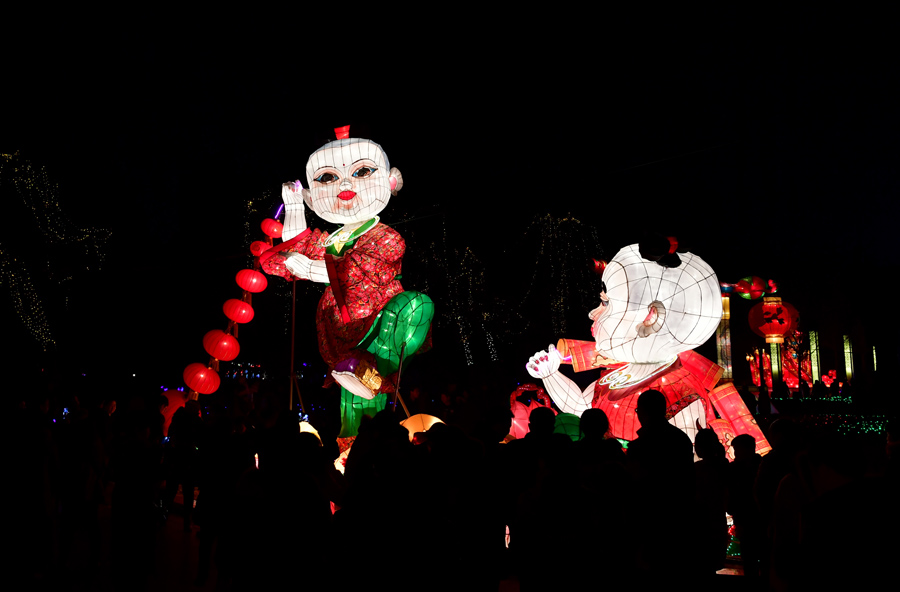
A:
(41, 198)
(556, 278)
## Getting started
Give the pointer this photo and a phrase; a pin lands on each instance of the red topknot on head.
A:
(342, 132)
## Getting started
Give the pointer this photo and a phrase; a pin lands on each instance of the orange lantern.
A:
(238, 311)
(773, 318)
(201, 378)
(251, 280)
(221, 345)
(272, 227)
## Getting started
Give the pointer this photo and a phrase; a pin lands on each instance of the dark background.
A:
(529, 144)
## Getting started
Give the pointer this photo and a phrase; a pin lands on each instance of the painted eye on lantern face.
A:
(326, 178)
(363, 172)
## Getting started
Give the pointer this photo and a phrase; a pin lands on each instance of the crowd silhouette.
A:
(454, 509)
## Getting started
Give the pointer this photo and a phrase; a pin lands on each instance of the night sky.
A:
(767, 142)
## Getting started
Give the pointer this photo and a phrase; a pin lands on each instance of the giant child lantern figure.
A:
(654, 309)
(366, 323)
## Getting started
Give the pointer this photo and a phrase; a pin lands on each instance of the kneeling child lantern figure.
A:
(365, 321)
(652, 314)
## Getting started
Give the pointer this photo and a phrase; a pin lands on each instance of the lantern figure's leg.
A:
(353, 408)
(399, 330)
(401, 327)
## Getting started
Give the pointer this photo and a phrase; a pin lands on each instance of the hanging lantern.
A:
(201, 378)
(773, 318)
(221, 345)
(259, 247)
(238, 311)
(750, 287)
(251, 280)
(272, 227)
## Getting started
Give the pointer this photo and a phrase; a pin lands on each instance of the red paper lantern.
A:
(259, 247)
(751, 287)
(272, 227)
(773, 318)
(221, 345)
(251, 280)
(201, 378)
(238, 310)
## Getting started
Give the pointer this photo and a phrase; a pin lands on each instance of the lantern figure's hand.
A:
(306, 269)
(543, 363)
(294, 210)
(566, 394)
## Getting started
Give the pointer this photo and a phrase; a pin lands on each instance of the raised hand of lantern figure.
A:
(365, 320)
(652, 313)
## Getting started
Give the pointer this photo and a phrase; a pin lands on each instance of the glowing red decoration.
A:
(773, 318)
(221, 345)
(521, 412)
(750, 287)
(258, 247)
(251, 280)
(201, 378)
(342, 132)
(238, 311)
(272, 227)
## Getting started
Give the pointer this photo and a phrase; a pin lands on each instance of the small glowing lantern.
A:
(251, 280)
(272, 227)
(221, 345)
(201, 378)
(750, 287)
(420, 422)
(238, 311)
(258, 248)
(773, 318)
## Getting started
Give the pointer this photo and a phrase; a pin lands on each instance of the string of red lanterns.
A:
(223, 345)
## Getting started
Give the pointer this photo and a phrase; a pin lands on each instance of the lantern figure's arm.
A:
(310, 244)
(565, 393)
(306, 269)
(294, 210)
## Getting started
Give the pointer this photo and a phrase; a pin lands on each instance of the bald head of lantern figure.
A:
(649, 313)
(350, 180)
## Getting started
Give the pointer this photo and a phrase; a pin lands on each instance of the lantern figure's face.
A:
(653, 313)
(349, 181)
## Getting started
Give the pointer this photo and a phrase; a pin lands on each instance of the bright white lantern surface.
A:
(655, 312)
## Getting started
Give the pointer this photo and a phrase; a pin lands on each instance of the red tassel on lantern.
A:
(201, 378)
(272, 227)
(251, 280)
(221, 345)
(238, 311)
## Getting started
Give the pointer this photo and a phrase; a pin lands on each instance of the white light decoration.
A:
(366, 323)
(655, 312)
(848, 357)
(814, 354)
(651, 316)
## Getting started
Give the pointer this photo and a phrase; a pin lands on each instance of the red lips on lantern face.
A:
(347, 195)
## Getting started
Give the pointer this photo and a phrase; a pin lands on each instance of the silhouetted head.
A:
(541, 420)
(744, 446)
(651, 407)
(783, 433)
(707, 445)
(594, 423)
